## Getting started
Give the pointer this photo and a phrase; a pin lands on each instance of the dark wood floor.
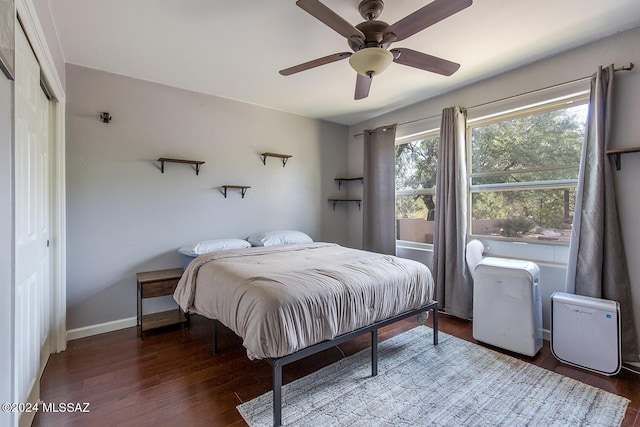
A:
(171, 378)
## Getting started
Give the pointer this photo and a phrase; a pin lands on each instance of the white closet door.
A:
(33, 290)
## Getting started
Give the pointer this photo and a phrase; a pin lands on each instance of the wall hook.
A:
(105, 117)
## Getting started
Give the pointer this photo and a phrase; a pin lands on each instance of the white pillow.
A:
(278, 237)
(206, 246)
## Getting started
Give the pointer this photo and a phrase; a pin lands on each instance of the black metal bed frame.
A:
(279, 362)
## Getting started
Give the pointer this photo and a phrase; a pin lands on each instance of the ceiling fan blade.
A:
(363, 84)
(330, 18)
(416, 59)
(427, 16)
(315, 63)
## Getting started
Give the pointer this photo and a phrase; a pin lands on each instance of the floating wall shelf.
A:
(341, 180)
(334, 201)
(196, 163)
(242, 188)
(284, 157)
(616, 154)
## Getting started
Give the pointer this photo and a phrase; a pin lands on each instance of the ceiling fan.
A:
(371, 39)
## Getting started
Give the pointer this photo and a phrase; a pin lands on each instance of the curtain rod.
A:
(623, 68)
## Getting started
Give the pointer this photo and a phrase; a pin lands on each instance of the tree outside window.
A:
(524, 174)
(416, 163)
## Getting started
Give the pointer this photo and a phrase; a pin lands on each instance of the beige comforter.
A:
(281, 299)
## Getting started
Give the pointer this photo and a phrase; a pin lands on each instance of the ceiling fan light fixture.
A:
(371, 60)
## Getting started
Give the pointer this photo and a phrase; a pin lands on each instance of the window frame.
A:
(579, 98)
(435, 132)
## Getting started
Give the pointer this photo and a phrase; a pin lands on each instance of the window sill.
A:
(414, 245)
(551, 253)
(515, 240)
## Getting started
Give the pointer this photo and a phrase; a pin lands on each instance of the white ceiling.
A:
(234, 49)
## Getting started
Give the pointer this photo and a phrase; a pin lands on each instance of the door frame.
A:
(58, 275)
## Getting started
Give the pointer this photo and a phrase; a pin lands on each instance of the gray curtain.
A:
(597, 265)
(379, 200)
(454, 286)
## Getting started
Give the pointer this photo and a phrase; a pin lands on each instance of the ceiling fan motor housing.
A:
(374, 32)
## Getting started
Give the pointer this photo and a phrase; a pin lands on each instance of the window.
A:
(415, 187)
(523, 172)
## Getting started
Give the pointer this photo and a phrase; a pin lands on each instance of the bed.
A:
(290, 301)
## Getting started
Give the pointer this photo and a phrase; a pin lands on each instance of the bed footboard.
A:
(278, 363)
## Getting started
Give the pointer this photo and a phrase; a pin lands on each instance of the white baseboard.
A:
(87, 331)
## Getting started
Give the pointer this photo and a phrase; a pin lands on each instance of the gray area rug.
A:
(456, 383)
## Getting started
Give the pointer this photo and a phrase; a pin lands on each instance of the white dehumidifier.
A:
(585, 332)
(507, 308)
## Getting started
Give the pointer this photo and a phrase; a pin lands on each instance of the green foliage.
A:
(515, 227)
(525, 148)
(410, 207)
(549, 208)
(422, 206)
(416, 164)
(552, 138)
(535, 148)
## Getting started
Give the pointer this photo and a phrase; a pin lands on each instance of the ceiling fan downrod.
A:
(370, 9)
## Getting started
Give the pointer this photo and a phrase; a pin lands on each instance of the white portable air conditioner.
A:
(585, 332)
(507, 307)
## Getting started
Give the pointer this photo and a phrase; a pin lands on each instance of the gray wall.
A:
(124, 216)
(619, 49)
(6, 244)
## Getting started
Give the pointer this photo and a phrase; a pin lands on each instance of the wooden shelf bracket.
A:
(341, 180)
(242, 188)
(335, 201)
(196, 163)
(284, 157)
(617, 152)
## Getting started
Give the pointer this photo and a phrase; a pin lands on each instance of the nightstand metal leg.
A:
(139, 307)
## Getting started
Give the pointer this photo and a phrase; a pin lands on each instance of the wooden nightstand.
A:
(156, 284)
